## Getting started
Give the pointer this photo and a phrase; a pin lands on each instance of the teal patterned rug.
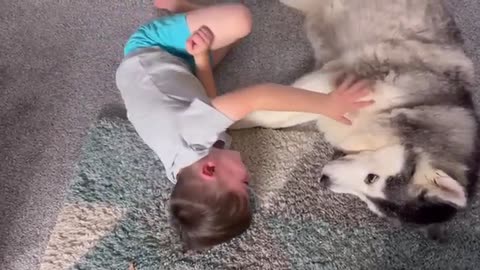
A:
(116, 214)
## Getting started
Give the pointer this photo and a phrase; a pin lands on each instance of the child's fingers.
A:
(198, 39)
(347, 82)
(363, 104)
(344, 120)
(359, 86)
(206, 39)
(189, 46)
(206, 34)
(359, 93)
(207, 30)
(210, 34)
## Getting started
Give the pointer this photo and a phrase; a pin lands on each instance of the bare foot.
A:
(176, 6)
(171, 5)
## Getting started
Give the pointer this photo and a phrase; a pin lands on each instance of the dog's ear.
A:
(448, 189)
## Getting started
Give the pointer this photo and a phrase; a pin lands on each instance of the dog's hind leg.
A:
(316, 81)
(318, 28)
(323, 52)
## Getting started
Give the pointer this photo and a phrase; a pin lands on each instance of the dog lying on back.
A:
(413, 155)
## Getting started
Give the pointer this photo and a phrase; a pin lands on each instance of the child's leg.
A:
(228, 22)
(177, 6)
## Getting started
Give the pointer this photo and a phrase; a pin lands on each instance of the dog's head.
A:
(396, 182)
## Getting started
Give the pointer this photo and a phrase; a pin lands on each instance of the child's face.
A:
(230, 169)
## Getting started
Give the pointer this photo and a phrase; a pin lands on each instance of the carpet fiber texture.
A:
(116, 213)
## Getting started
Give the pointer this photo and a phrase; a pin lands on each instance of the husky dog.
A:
(412, 156)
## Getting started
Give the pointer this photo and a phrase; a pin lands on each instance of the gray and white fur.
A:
(413, 155)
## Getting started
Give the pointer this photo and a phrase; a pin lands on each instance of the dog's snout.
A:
(325, 180)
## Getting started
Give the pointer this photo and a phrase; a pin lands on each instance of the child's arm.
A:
(274, 97)
(205, 74)
(198, 45)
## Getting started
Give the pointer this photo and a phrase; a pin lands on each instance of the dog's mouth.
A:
(338, 154)
(328, 183)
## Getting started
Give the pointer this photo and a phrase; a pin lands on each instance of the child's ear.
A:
(208, 170)
(448, 189)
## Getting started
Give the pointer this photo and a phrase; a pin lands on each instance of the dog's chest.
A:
(364, 134)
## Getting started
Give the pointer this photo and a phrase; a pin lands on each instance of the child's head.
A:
(210, 202)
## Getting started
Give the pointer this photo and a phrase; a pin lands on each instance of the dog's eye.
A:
(371, 178)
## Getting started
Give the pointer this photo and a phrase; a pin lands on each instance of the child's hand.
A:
(200, 41)
(346, 98)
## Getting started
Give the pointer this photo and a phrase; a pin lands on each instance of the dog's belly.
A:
(366, 133)
(369, 130)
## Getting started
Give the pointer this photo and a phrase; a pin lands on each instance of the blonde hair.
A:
(207, 214)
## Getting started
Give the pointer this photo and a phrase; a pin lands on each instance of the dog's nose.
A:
(324, 180)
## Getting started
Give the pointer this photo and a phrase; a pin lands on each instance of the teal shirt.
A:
(169, 33)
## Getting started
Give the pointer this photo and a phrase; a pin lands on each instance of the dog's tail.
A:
(302, 5)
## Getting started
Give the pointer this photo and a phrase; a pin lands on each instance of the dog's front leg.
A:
(273, 120)
(316, 81)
